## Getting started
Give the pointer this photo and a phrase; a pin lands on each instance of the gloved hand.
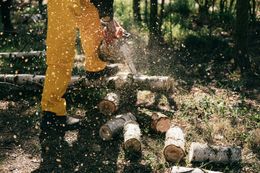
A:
(113, 34)
(113, 30)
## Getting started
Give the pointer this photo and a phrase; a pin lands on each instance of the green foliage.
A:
(183, 7)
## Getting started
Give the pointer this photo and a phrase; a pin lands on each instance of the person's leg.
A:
(60, 54)
(91, 37)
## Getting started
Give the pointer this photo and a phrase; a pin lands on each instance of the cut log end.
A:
(162, 125)
(132, 145)
(105, 133)
(172, 153)
(107, 107)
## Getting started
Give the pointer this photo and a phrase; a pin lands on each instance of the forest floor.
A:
(213, 105)
(207, 113)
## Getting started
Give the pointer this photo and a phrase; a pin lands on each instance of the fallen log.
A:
(22, 54)
(109, 104)
(132, 137)
(177, 169)
(113, 127)
(159, 122)
(206, 153)
(174, 150)
(119, 81)
(141, 82)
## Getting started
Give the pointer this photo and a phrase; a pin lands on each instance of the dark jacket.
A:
(105, 7)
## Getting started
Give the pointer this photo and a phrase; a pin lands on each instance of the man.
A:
(64, 16)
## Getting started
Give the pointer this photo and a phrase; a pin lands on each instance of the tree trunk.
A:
(241, 36)
(154, 33)
(146, 12)
(161, 17)
(217, 154)
(6, 16)
(136, 10)
(174, 147)
(253, 10)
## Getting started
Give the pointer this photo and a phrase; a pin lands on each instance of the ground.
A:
(212, 105)
(206, 113)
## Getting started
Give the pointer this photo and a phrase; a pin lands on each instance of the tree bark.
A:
(113, 127)
(109, 104)
(146, 12)
(206, 153)
(154, 32)
(174, 147)
(159, 122)
(132, 137)
(241, 36)
(161, 17)
(22, 54)
(119, 81)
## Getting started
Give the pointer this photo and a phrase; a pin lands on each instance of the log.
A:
(177, 169)
(145, 98)
(218, 154)
(174, 150)
(159, 122)
(153, 100)
(141, 82)
(109, 104)
(119, 81)
(114, 126)
(22, 54)
(132, 137)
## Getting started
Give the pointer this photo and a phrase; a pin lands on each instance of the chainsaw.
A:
(115, 47)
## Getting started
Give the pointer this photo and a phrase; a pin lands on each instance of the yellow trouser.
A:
(64, 16)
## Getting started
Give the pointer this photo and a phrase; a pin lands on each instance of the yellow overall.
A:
(64, 16)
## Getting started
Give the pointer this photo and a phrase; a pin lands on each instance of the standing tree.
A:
(241, 36)
(154, 28)
(146, 11)
(136, 10)
(5, 14)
